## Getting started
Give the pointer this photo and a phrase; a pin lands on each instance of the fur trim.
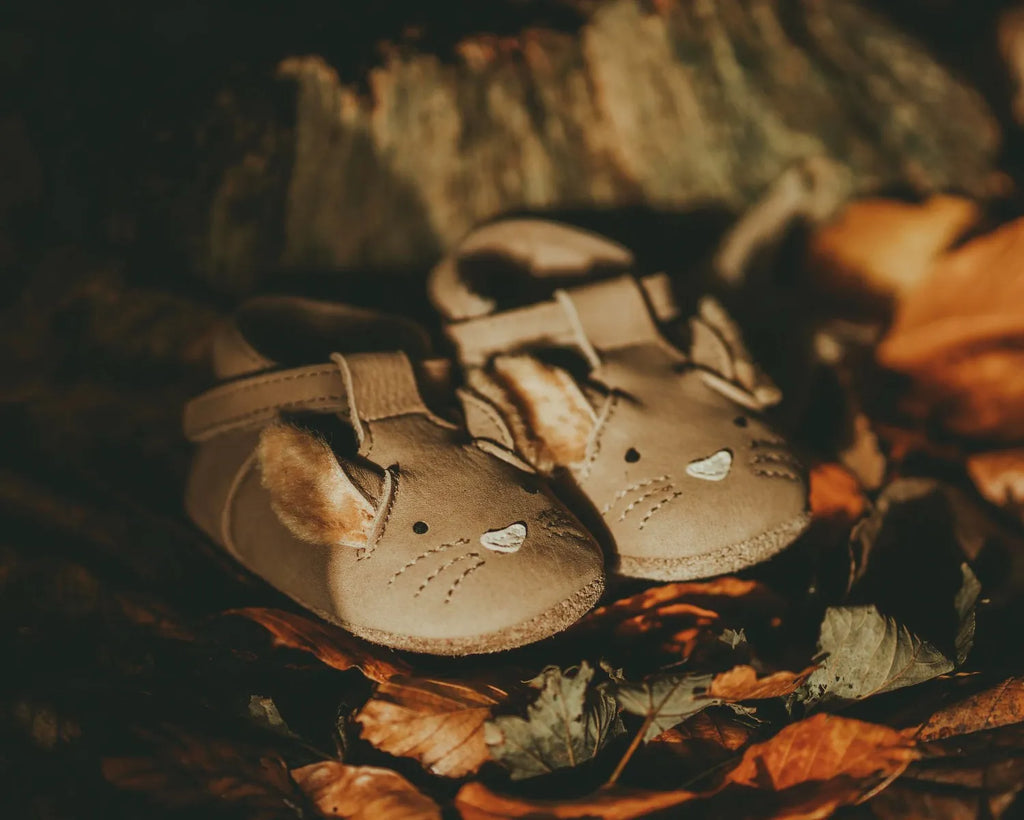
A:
(556, 414)
(309, 491)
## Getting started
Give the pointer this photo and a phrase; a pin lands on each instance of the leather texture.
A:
(469, 550)
(680, 472)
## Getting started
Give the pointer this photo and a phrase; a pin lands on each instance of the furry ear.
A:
(309, 491)
(557, 416)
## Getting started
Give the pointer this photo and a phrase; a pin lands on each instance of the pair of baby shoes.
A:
(584, 426)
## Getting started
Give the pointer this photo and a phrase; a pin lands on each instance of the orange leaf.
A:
(884, 247)
(1001, 705)
(958, 335)
(329, 644)
(439, 723)
(476, 802)
(999, 476)
(363, 793)
(718, 727)
(742, 683)
(824, 747)
(836, 493)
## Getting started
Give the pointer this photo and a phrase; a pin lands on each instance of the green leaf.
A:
(869, 653)
(568, 724)
(966, 603)
(665, 701)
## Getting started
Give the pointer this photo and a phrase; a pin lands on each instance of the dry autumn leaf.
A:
(439, 723)
(742, 683)
(958, 336)
(884, 247)
(476, 802)
(835, 493)
(999, 476)
(329, 644)
(675, 619)
(1001, 705)
(363, 793)
(824, 747)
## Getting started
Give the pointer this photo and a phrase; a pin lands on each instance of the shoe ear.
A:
(716, 344)
(557, 416)
(310, 491)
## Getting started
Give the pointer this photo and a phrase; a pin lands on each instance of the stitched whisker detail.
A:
(632, 505)
(767, 442)
(449, 563)
(465, 573)
(426, 553)
(784, 459)
(658, 506)
(638, 486)
(776, 474)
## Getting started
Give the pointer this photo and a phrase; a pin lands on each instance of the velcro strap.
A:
(602, 315)
(257, 400)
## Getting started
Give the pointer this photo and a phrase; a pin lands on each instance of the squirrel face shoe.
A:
(664, 451)
(409, 533)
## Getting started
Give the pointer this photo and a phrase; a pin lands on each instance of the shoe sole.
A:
(557, 619)
(720, 562)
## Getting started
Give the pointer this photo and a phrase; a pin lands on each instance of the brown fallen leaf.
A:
(674, 619)
(720, 727)
(1001, 705)
(439, 723)
(476, 802)
(884, 247)
(188, 771)
(959, 335)
(999, 476)
(363, 793)
(823, 747)
(329, 644)
(742, 683)
(836, 493)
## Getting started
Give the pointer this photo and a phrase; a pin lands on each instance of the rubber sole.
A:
(720, 562)
(557, 619)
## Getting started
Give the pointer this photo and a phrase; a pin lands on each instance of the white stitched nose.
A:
(508, 539)
(713, 468)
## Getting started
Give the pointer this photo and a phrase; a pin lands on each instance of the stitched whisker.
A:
(775, 458)
(765, 442)
(776, 474)
(638, 486)
(632, 505)
(449, 563)
(658, 506)
(465, 573)
(425, 553)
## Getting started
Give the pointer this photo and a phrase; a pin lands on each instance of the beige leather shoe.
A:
(663, 451)
(336, 484)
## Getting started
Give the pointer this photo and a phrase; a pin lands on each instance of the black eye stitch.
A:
(740, 421)
(632, 455)
(420, 527)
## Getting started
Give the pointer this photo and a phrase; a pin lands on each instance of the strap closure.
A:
(366, 387)
(601, 315)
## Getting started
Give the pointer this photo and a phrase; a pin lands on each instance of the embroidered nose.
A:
(713, 468)
(508, 539)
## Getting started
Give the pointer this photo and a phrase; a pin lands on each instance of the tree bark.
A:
(667, 105)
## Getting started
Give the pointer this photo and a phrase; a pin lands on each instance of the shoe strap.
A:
(365, 387)
(601, 315)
